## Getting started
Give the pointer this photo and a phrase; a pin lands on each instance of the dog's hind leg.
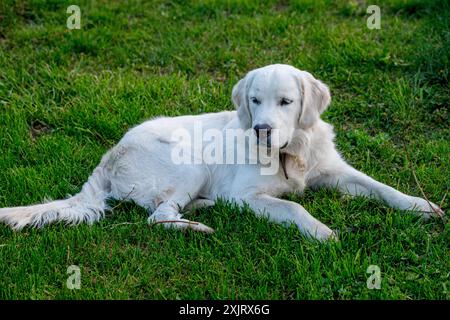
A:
(168, 213)
(200, 203)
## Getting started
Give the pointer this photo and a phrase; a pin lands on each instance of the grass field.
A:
(67, 96)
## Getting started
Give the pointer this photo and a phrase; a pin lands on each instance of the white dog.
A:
(276, 100)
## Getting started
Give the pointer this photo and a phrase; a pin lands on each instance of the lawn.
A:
(67, 96)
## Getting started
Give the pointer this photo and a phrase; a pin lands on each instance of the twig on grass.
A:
(439, 214)
(174, 221)
(123, 223)
(123, 200)
(436, 211)
(443, 199)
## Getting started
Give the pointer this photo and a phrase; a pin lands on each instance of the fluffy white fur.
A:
(139, 167)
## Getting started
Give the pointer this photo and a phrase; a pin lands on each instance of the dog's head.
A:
(279, 98)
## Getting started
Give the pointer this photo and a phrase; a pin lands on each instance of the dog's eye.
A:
(285, 102)
(255, 101)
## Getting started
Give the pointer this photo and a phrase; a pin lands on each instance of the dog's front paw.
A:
(323, 233)
(200, 227)
(426, 209)
(178, 223)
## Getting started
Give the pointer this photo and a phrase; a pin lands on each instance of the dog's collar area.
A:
(283, 160)
(283, 164)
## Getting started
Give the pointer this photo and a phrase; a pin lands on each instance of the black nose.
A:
(263, 129)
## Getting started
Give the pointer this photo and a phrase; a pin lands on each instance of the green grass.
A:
(67, 96)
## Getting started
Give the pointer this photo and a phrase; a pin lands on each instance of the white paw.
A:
(424, 208)
(323, 233)
(197, 226)
(178, 223)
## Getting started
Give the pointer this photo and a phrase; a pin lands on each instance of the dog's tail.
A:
(87, 206)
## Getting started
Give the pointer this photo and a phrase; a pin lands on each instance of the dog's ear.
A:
(315, 99)
(239, 96)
